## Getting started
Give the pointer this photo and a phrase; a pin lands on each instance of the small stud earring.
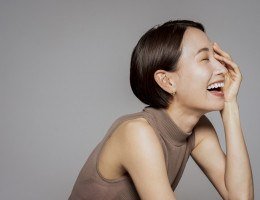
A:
(164, 77)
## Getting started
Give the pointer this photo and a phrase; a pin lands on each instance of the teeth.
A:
(216, 85)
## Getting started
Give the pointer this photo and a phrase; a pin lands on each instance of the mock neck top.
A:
(167, 126)
(176, 144)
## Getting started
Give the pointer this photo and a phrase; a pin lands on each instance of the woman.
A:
(181, 75)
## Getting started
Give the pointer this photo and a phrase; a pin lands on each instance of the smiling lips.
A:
(215, 89)
(215, 86)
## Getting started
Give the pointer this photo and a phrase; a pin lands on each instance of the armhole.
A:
(111, 130)
(192, 140)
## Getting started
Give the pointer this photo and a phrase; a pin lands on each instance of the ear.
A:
(165, 80)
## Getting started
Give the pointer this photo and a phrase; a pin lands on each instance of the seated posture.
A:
(181, 75)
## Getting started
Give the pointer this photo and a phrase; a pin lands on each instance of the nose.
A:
(219, 68)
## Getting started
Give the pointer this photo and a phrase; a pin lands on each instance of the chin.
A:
(215, 107)
(218, 107)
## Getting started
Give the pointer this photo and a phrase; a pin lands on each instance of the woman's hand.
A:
(233, 77)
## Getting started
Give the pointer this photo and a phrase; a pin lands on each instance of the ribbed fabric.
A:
(176, 144)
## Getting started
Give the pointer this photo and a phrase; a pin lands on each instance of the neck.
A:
(184, 118)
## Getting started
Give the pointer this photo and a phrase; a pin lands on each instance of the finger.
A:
(220, 51)
(229, 63)
(218, 56)
(225, 60)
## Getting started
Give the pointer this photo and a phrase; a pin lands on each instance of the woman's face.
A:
(197, 69)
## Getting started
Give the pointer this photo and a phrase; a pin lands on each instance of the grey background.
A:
(64, 78)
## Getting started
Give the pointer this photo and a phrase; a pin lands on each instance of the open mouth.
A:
(215, 89)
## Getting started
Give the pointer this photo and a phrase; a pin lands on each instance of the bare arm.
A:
(238, 174)
(209, 156)
(142, 156)
(231, 173)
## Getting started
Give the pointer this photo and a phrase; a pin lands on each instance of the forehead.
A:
(193, 40)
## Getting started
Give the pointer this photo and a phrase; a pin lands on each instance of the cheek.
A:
(195, 81)
(202, 70)
(194, 78)
(202, 74)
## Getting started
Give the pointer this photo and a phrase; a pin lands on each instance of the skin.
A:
(134, 147)
(191, 80)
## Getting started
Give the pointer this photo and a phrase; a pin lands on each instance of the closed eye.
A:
(205, 59)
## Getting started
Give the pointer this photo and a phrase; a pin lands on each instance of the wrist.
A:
(233, 100)
(230, 107)
(230, 103)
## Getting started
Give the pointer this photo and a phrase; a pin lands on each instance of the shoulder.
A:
(138, 124)
(136, 130)
(204, 129)
(142, 156)
(137, 139)
(203, 123)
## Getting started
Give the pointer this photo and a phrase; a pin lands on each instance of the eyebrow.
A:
(203, 49)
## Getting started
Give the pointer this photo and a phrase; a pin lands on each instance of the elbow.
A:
(246, 193)
(244, 196)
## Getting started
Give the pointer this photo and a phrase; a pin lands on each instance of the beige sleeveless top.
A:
(176, 144)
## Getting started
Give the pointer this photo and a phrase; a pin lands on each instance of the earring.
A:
(173, 93)
(164, 76)
(173, 85)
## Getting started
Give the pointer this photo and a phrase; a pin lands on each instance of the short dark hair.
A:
(158, 48)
